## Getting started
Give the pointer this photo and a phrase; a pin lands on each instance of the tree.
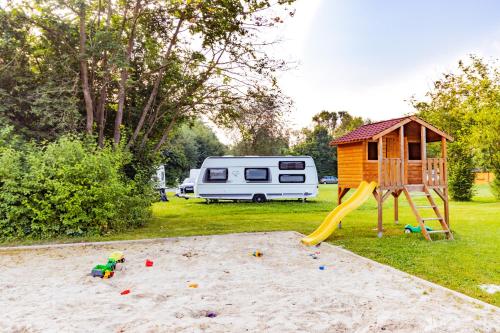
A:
(260, 124)
(133, 69)
(466, 104)
(188, 148)
(316, 142)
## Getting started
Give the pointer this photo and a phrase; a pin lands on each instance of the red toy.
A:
(149, 263)
(125, 292)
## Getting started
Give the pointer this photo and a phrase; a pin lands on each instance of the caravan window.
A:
(216, 175)
(257, 174)
(292, 178)
(292, 165)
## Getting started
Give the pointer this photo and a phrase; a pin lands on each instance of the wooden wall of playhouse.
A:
(354, 166)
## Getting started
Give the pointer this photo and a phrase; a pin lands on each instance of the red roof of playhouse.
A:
(370, 131)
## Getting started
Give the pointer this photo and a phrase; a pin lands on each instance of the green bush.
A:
(67, 187)
(460, 172)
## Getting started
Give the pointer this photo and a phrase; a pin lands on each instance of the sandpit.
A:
(49, 289)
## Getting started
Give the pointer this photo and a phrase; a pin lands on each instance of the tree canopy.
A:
(132, 69)
(188, 148)
(315, 142)
(466, 104)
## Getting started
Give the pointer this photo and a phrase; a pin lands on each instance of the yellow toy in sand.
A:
(331, 222)
(117, 256)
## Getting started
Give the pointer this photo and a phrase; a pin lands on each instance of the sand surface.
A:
(49, 290)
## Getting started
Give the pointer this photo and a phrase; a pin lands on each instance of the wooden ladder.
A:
(424, 191)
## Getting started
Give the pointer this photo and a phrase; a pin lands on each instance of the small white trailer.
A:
(160, 183)
(257, 178)
(188, 184)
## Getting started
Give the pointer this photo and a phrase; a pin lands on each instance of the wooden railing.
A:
(434, 172)
(392, 173)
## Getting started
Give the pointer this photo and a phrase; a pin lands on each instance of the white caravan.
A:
(257, 178)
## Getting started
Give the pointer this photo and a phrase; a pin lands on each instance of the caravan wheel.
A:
(259, 198)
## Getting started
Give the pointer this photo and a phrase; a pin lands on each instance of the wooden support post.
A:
(445, 179)
(402, 152)
(379, 191)
(380, 207)
(341, 192)
(380, 155)
(339, 202)
(396, 207)
(423, 153)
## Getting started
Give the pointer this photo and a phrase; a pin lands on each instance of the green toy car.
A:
(104, 271)
(411, 229)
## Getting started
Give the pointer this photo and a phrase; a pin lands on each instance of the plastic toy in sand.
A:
(322, 268)
(411, 229)
(149, 263)
(257, 253)
(117, 256)
(107, 271)
(125, 292)
(211, 314)
(193, 285)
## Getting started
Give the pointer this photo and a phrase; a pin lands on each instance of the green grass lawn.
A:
(463, 264)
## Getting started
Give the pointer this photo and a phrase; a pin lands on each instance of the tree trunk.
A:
(122, 85)
(89, 107)
(166, 133)
(156, 86)
(104, 88)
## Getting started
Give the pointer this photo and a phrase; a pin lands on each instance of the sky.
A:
(370, 57)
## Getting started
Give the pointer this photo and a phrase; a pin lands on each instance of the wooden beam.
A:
(386, 195)
(392, 128)
(380, 155)
(341, 192)
(444, 156)
(417, 215)
(396, 207)
(402, 152)
(423, 152)
(432, 128)
(446, 207)
(380, 207)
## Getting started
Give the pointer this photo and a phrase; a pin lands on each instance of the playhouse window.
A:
(257, 174)
(414, 151)
(216, 175)
(372, 151)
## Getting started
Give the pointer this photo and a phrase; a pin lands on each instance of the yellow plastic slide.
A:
(331, 222)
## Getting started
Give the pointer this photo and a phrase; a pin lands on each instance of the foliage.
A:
(466, 104)
(77, 65)
(260, 124)
(188, 148)
(67, 187)
(338, 123)
(460, 175)
(316, 142)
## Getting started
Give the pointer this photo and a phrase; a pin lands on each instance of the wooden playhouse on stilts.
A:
(394, 154)
(388, 158)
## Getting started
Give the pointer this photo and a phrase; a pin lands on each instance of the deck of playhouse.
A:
(395, 153)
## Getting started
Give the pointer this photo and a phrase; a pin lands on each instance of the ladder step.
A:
(425, 206)
(438, 232)
(432, 219)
